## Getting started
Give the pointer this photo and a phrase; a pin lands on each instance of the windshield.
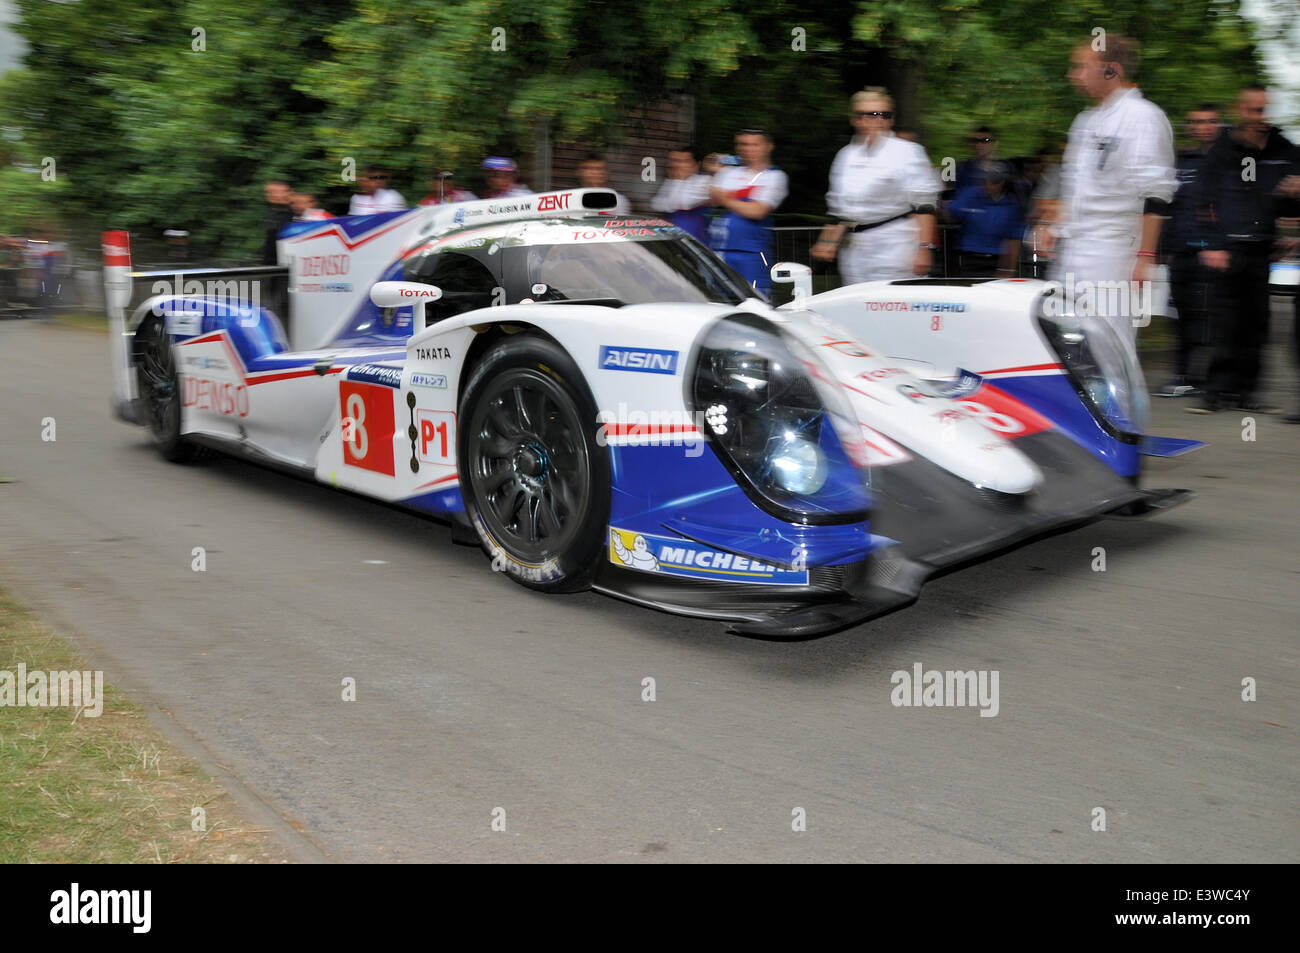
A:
(644, 271)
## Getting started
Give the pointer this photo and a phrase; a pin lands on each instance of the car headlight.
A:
(1103, 368)
(769, 420)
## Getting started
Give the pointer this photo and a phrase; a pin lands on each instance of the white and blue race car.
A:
(601, 402)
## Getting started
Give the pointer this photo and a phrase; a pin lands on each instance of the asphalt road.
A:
(1119, 689)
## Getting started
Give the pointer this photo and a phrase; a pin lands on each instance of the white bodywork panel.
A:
(987, 328)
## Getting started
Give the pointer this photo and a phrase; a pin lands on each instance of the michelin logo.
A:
(641, 359)
(638, 557)
(684, 557)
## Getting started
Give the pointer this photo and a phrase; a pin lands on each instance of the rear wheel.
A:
(536, 484)
(159, 386)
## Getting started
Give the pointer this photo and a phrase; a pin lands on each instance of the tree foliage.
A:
(153, 129)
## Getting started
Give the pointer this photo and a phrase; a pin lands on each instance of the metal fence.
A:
(794, 243)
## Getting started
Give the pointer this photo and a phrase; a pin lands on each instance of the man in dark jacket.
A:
(279, 213)
(1188, 279)
(1244, 187)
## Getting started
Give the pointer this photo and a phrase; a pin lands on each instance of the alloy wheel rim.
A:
(529, 465)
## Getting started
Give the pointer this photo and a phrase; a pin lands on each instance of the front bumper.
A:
(935, 523)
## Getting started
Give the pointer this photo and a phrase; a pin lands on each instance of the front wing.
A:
(924, 522)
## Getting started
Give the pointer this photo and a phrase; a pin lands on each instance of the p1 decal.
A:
(683, 557)
(437, 436)
(366, 422)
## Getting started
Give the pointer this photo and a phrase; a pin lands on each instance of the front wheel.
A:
(159, 384)
(535, 482)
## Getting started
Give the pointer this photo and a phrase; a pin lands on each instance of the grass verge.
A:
(107, 789)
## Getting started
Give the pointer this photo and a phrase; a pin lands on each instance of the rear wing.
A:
(116, 249)
(445, 218)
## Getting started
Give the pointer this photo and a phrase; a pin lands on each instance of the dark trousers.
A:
(1239, 320)
(1190, 284)
(1295, 331)
(977, 265)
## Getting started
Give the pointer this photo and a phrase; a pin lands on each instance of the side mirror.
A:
(793, 273)
(398, 294)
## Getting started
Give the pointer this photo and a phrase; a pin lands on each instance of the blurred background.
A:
(168, 116)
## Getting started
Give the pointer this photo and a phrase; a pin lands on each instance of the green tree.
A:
(1003, 62)
(152, 128)
(29, 201)
(416, 83)
(955, 64)
(172, 114)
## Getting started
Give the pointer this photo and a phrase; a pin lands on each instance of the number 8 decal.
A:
(355, 435)
(366, 426)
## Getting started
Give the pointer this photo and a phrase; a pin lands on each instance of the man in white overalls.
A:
(1117, 181)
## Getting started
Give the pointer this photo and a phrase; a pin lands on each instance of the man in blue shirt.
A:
(745, 196)
(975, 170)
(992, 224)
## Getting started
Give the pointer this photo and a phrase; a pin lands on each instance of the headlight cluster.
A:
(773, 426)
(1105, 370)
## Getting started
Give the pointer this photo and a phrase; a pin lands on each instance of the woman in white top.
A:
(883, 189)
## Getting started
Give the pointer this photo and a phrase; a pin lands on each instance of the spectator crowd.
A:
(1111, 206)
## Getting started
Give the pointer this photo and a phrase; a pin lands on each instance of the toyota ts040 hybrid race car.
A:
(601, 402)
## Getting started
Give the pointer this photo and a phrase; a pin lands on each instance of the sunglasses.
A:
(980, 139)
(873, 115)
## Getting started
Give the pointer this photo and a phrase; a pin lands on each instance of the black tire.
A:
(159, 388)
(536, 484)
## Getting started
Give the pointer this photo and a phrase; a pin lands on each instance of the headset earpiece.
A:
(1109, 72)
